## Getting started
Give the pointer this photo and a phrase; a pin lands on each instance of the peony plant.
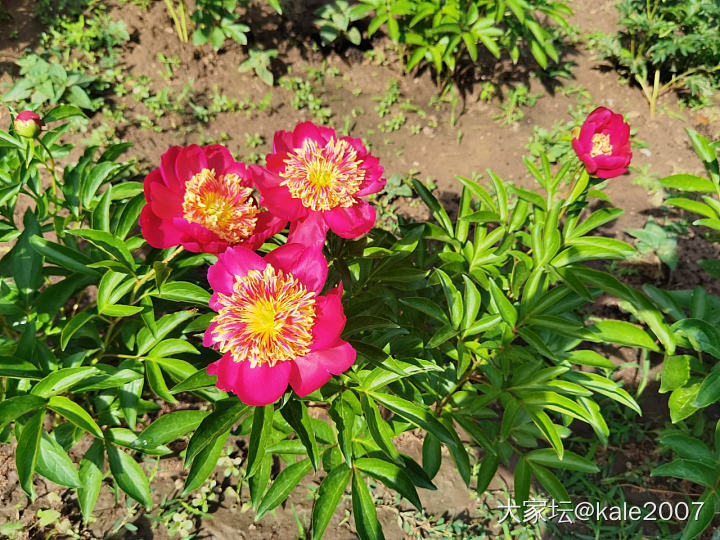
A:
(261, 302)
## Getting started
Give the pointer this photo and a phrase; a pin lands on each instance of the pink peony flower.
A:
(603, 143)
(202, 199)
(272, 326)
(28, 124)
(316, 180)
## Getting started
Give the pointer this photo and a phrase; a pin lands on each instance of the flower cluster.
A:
(273, 326)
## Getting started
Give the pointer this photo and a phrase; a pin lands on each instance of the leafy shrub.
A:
(440, 33)
(45, 83)
(216, 20)
(667, 45)
(476, 324)
(335, 19)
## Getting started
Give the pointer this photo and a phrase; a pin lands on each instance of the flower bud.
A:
(28, 124)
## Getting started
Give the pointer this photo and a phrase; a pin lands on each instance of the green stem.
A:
(51, 168)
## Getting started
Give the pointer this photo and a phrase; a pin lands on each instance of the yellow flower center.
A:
(325, 177)
(221, 204)
(601, 145)
(267, 319)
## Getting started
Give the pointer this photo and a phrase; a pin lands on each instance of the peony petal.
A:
(353, 221)
(373, 181)
(310, 231)
(306, 264)
(267, 225)
(234, 262)
(166, 204)
(218, 158)
(167, 170)
(329, 319)
(256, 386)
(279, 201)
(190, 161)
(282, 142)
(158, 233)
(307, 375)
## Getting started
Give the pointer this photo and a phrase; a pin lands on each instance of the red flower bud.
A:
(603, 143)
(28, 124)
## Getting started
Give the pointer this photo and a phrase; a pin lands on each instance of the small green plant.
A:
(216, 20)
(304, 97)
(335, 19)
(517, 98)
(666, 45)
(43, 83)
(657, 239)
(259, 61)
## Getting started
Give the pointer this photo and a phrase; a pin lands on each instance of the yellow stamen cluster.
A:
(324, 177)
(221, 204)
(601, 145)
(267, 319)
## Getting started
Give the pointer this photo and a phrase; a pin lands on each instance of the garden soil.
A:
(440, 150)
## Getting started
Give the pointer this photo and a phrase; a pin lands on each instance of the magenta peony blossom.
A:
(272, 326)
(603, 143)
(316, 180)
(202, 199)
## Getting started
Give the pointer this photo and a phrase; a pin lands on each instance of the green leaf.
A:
(549, 431)
(227, 412)
(550, 482)
(295, 413)
(329, 494)
(704, 516)
(62, 380)
(431, 455)
(487, 471)
(26, 453)
(688, 182)
(61, 112)
(54, 464)
(366, 521)
(109, 243)
(426, 306)
(91, 475)
(392, 476)
(686, 446)
(128, 475)
(204, 464)
(709, 391)
(570, 460)
(283, 485)
(522, 483)
(504, 306)
(199, 379)
(681, 402)
(73, 325)
(14, 407)
(182, 291)
(261, 431)
(170, 427)
(380, 431)
(623, 333)
(420, 416)
(75, 414)
(675, 372)
(452, 297)
(62, 256)
(688, 469)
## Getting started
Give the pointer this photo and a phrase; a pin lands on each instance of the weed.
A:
(259, 61)
(517, 98)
